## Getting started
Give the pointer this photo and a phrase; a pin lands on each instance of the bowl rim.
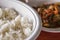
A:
(51, 30)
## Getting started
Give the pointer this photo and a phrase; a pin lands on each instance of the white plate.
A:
(53, 30)
(27, 11)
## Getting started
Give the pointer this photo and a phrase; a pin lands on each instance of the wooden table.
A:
(48, 36)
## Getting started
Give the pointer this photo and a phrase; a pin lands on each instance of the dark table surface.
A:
(48, 36)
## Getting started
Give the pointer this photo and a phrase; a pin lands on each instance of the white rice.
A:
(13, 26)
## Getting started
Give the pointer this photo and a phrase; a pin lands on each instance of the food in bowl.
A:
(13, 26)
(50, 14)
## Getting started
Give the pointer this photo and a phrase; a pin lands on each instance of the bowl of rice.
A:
(18, 21)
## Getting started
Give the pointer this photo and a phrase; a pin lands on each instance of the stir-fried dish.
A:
(50, 15)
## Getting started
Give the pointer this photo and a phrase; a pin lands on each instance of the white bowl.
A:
(25, 10)
(53, 30)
